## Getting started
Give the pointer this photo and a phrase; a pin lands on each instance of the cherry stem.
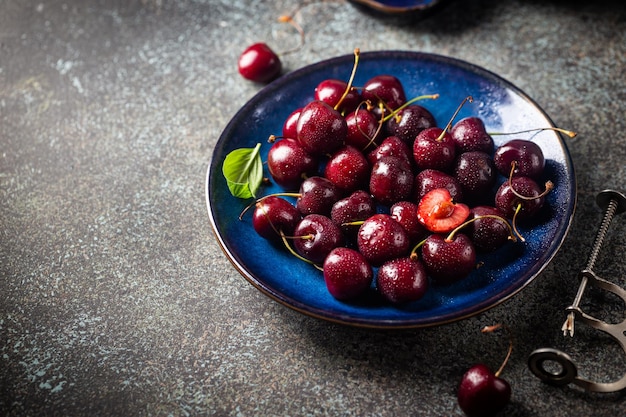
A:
(408, 103)
(489, 329)
(413, 254)
(255, 202)
(569, 133)
(484, 216)
(290, 249)
(549, 185)
(458, 109)
(289, 19)
(517, 210)
(357, 53)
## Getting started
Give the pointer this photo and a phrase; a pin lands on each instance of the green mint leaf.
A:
(243, 170)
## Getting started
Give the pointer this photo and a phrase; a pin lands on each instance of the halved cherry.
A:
(438, 212)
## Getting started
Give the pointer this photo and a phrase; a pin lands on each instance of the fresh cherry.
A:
(482, 392)
(448, 260)
(523, 157)
(439, 213)
(434, 148)
(315, 236)
(259, 63)
(321, 129)
(391, 180)
(274, 215)
(289, 164)
(405, 213)
(475, 171)
(362, 129)
(347, 273)
(348, 169)
(332, 90)
(430, 179)
(470, 134)
(381, 238)
(291, 123)
(384, 92)
(409, 122)
(347, 212)
(402, 280)
(520, 198)
(317, 196)
(489, 229)
(391, 146)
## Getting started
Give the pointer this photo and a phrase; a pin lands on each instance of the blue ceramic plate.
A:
(399, 6)
(502, 106)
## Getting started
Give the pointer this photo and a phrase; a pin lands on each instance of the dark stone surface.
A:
(115, 298)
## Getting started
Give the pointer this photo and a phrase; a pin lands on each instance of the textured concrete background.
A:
(115, 298)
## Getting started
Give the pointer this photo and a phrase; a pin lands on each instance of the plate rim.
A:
(383, 324)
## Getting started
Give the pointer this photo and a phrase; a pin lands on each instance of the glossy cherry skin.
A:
(481, 393)
(347, 273)
(488, 233)
(381, 238)
(409, 122)
(391, 146)
(331, 90)
(358, 206)
(470, 134)
(391, 180)
(476, 173)
(317, 196)
(527, 155)
(402, 280)
(507, 201)
(386, 89)
(321, 129)
(289, 164)
(434, 150)
(291, 123)
(315, 236)
(259, 63)
(448, 261)
(405, 213)
(362, 129)
(273, 215)
(348, 169)
(431, 179)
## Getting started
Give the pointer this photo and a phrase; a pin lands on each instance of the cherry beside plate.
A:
(297, 285)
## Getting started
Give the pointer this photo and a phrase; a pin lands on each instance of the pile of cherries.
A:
(386, 198)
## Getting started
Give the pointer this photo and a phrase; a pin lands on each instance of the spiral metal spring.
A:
(613, 203)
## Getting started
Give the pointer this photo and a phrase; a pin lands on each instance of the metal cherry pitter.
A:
(612, 202)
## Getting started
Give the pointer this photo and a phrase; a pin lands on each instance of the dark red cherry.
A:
(315, 236)
(448, 261)
(409, 122)
(402, 280)
(391, 180)
(386, 89)
(481, 393)
(348, 169)
(470, 134)
(381, 238)
(290, 125)
(434, 149)
(259, 63)
(391, 146)
(321, 129)
(488, 233)
(527, 156)
(508, 198)
(347, 273)
(405, 213)
(273, 215)
(362, 129)
(358, 206)
(317, 196)
(431, 179)
(289, 164)
(475, 171)
(331, 90)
